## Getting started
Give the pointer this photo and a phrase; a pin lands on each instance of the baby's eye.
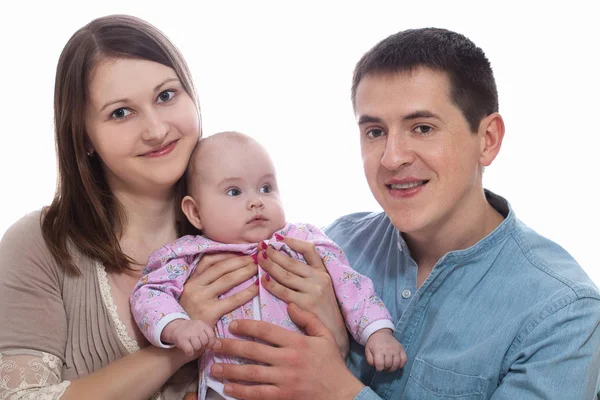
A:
(166, 96)
(120, 113)
(374, 133)
(266, 188)
(233, 192)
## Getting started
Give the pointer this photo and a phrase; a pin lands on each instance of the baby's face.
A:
(237, 195)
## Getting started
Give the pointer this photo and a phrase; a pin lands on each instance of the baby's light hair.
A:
(192, 174)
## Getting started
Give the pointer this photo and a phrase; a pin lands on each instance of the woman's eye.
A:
(233, 192)
(423, 129)
(266, 189)
(120, 113)
(165, 96)
(374, 133)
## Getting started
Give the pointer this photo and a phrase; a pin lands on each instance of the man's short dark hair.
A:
(473, 88)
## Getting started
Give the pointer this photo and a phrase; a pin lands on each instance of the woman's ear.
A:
(191, 210)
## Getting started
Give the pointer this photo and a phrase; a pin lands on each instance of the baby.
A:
(234, 201)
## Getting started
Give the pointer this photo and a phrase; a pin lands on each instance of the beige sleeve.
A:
(32, 314)
(30, 375)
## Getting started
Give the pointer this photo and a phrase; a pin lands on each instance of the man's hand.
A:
(295, 366)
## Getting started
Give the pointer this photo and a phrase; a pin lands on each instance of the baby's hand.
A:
(384, 352)
(188, 335)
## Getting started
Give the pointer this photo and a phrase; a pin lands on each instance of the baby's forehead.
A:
(229, 154)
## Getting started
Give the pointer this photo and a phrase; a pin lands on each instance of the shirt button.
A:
(406, 293)
(400, 246)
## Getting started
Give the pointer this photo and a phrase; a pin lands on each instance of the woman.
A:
(127, 119)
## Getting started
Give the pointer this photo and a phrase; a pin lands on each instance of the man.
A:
(484, 306)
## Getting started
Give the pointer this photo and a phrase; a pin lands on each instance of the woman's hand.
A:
(309, 288)
(214, 275)
(293, 366)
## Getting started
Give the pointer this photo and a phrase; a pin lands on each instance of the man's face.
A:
(420, 158)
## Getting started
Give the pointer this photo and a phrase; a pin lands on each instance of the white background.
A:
(281, 72)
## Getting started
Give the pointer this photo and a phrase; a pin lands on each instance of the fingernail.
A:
(233, 325)
(256, 282)
(255, 258)
(216, 369)
(228, 388)
(279, 237)
(268, 278)
(264, 245)
(264, 254)
(217, 345)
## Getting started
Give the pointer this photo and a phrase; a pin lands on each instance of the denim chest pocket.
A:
(427, 382)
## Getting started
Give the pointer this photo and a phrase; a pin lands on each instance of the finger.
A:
(208, 260)
(245, 373)
(196, 343)
(191, 396)
(252, 351)
(388, 361)
(187, 348)
(211, 340)
(379, 362)
(234, 301)
(230, 280)
(221, 268)
(253, 392)
(403, 358)
(284, 262)
(307, 249)
(309, 321)
(369, 357)
(265, 331)
(395, 362)
(280, 291)
(202, 338)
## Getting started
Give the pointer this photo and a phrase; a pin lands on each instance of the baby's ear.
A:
(191, 210)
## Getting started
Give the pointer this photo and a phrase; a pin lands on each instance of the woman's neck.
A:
(149, 224)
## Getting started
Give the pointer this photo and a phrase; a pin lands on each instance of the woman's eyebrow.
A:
(125, 100)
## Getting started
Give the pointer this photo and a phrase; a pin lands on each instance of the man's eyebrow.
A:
(420, 114)
(125, 100)
(368, 119)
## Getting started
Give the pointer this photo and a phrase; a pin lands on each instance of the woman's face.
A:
(141, 123)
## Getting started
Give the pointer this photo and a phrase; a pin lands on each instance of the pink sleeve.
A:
(154, 300)
(363, 310)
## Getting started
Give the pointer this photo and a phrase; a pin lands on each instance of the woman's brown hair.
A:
(84, 212)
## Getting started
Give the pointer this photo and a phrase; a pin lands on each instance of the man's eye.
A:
(165, 96)
(423, 129)
(266, 189)
(233, 192)
(375, 133)
(120, 113)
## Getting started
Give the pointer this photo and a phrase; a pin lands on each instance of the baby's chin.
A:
(257, 234)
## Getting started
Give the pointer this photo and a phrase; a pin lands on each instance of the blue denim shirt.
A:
(512, 317)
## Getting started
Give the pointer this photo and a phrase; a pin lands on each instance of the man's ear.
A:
(491, 131)
(191, 210)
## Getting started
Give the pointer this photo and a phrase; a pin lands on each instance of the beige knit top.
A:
(55, 327)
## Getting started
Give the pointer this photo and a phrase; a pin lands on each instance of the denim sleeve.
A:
(367, 394)
(556, 355)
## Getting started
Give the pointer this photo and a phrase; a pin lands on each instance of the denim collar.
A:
(502, 231)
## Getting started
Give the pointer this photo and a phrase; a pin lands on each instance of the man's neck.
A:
(468, 225)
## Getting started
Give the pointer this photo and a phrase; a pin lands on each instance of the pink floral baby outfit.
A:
(154, 300)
